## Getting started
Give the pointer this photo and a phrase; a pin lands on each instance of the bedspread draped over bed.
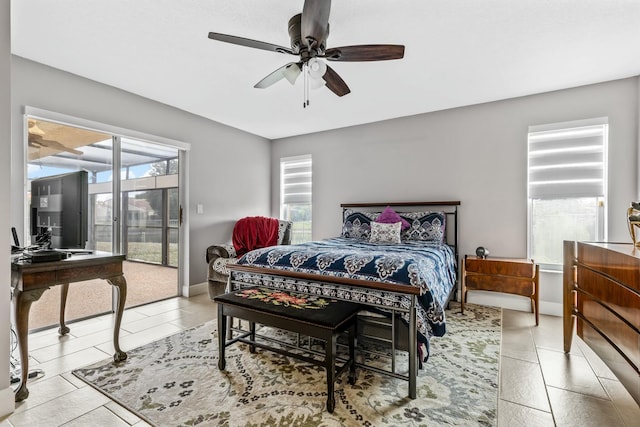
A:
(427, 265)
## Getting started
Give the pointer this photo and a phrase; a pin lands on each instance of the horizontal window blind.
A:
(567, 162)
(296, 180)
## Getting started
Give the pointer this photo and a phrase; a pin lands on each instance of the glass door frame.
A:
(117, 133)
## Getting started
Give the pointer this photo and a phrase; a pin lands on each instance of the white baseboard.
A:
(551, 308)
(512, 302)
(7, 402)
(197, 289)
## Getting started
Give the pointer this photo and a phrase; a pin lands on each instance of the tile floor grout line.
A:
(544, 379)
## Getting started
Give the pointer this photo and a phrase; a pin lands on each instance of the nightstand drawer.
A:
(510, 285)
(500, 266)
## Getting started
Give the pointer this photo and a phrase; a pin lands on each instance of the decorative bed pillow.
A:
(385, 233)
(389, 216)
(425, 226)
(357, 225)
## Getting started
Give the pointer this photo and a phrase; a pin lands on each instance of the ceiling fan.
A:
(36, 140)
(308, 32)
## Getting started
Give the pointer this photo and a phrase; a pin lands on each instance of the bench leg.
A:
(252, 336)
(222, 342)
(352, 354)
(330, 366)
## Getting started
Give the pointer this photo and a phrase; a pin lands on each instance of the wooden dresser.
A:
(602, 291)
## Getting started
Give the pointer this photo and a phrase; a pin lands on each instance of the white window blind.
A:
(296, 180)
(568, 162)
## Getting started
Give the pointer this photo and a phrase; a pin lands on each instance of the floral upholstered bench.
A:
(313, 316)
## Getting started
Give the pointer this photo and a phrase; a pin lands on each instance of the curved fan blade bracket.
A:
(315, 23)
(256, 44)
(287, 71)
(335, 82)
(365, 52)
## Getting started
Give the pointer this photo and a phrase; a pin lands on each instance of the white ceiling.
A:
(458, 52)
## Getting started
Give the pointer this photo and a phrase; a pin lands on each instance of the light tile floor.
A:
(539, 384)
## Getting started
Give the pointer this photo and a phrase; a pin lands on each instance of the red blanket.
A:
(254, 232)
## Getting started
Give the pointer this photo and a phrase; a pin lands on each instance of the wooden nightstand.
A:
(508, 275)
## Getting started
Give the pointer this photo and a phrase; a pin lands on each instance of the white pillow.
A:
(385, 233)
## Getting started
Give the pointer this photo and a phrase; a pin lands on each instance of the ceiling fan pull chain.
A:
(305, 71)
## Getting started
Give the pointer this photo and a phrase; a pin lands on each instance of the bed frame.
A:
(275, 278)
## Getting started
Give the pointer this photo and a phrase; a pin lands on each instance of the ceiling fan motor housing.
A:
(297, 45)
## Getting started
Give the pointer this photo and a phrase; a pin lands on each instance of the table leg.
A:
(222, 342)
(120, 284)
(22, 304)
(64, 291)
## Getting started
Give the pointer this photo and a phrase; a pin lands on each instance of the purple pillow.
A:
(389, 216)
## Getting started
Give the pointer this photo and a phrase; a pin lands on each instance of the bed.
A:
(406, 271)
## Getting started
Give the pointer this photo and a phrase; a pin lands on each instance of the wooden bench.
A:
(315, 317)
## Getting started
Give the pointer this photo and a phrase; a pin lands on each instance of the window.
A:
(295, 196)
(567, 169)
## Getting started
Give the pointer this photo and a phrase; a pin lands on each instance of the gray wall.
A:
(6, 395)
(228, 172)
(475, 154)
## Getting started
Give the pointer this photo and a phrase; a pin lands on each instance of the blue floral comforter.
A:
(428, 265)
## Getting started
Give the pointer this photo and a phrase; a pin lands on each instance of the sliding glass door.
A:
(149, 188)
(137, 214)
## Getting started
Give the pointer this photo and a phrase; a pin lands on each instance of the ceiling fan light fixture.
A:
(317, 68)
(316, 83)
(291, 73)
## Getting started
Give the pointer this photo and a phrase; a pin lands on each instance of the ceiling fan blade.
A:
(286, 71)
(315, 21)
(37, 142)
(335, 82)
(365, 52)
(241, 41)
(58, 146)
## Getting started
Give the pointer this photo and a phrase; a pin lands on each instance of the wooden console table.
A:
(30, 280)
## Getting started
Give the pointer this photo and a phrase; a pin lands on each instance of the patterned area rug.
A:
(176, 382)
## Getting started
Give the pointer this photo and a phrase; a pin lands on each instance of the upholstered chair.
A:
(218, 256)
